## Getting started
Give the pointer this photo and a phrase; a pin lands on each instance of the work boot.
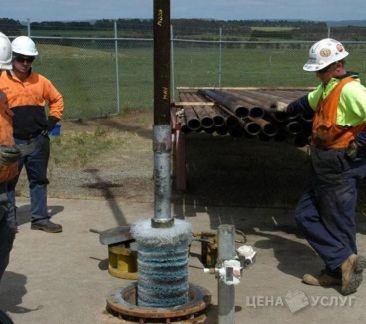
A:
(48, 227)
(352, 269)
(326, 278)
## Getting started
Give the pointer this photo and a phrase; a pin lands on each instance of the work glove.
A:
(9, 154)
(352, 150)
(51, 122)
(357, 147)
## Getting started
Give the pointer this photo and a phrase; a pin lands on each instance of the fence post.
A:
(328, 32)
(226, 293)
(220, 55)
(28, 27)
(116, 61)
(270, 67)
(172, 70)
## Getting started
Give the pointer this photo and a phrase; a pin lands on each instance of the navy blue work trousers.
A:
(326, 211)
(8, 229)
(35, 163)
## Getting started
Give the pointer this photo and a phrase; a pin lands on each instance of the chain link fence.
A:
(104, 76)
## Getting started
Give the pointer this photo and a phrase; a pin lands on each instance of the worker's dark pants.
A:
(7, 230)
(35, 163)
(326, 211)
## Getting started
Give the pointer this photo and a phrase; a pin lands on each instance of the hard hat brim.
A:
(26, 53)
(312, 65)
(6, 66)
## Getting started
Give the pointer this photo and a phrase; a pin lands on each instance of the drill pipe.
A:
(221, 130)
(281, 124)
(252, 126)
(288, 96)
(271, 124)
(235, 126)
(233, 105)
(204, 115)
(294, 127)
(254, 110)
(269, 129)
(210, 130)
(253, 96)
(192, 120)
(265, 101)
(253, 106)
(217, 116)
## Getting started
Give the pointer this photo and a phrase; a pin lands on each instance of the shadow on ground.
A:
(23, 213)
(120, 125)
(10, 302)
(106, 190)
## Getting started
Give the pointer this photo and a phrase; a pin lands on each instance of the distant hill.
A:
(342, 23)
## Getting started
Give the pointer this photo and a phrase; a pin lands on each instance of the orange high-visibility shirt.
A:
(28, 100)
(7, 172)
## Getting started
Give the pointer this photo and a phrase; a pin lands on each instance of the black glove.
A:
(352, 150)
(51, 122)
(9, 154)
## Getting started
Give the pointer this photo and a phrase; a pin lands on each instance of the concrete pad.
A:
(63, 278)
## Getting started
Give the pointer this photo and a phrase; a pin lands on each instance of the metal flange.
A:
(122, 303)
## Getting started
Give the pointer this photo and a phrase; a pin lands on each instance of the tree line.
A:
(191, 28)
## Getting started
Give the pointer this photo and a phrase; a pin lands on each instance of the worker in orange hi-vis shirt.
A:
(9, 154)
(29, 94)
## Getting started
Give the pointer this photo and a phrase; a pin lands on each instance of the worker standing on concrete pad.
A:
(9, 154)
(326, 211)
(28, 95)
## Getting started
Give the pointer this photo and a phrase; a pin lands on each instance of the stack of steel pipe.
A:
(247, 113)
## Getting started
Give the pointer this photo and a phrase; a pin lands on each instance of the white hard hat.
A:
(24, 45)
(5, 52)
(324, 53)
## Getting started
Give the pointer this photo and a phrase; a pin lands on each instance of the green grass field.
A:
(274, 29)
(85, 74)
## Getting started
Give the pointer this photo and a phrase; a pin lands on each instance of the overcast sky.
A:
(43, 10)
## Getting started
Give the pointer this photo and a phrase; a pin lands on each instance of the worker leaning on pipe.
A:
(9, 154)
(28, 95)
(326, 211)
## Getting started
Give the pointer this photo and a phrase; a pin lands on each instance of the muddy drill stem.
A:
(162, 130)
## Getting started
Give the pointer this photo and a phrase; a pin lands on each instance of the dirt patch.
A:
(109, 157)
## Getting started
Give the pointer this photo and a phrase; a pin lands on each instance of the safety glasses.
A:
(327, 68)
(22, 58)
